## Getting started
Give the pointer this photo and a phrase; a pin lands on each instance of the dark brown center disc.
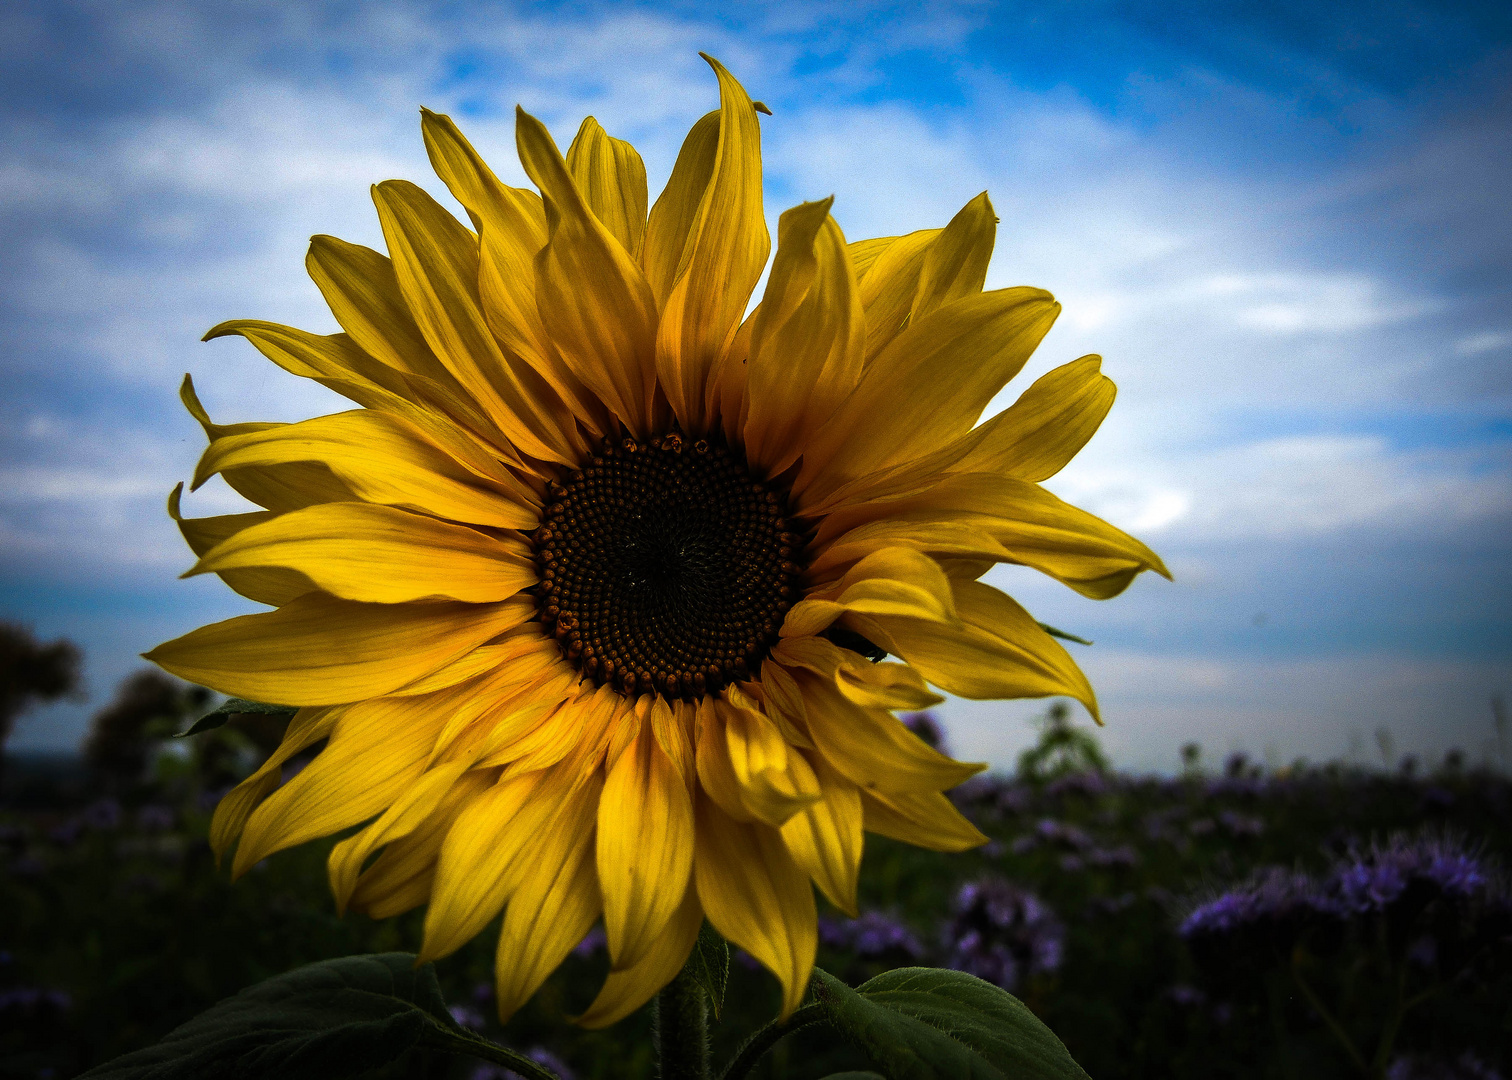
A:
(665, 568)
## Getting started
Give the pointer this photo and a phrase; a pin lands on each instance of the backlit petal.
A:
(317, 650)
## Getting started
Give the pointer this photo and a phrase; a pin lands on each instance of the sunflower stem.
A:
(682, 1029)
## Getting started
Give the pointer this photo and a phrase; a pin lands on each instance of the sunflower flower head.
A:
(605, 596)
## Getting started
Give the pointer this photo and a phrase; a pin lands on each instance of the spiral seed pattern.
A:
(666, 567)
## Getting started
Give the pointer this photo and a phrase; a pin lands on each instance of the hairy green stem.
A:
(682, 1029)
(764, 1039)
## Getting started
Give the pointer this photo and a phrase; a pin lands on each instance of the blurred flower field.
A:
(1314, 921)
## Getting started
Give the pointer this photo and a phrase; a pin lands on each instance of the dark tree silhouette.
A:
(148, 706)
(31, 672)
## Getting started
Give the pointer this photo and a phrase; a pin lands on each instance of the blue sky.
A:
(1286, 227)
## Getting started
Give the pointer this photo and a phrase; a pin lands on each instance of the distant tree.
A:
(148, 706)
(1062, 749)
(31, 672)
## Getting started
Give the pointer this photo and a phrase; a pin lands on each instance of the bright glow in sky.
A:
(1286, 227)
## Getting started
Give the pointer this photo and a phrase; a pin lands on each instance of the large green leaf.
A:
(338, 1018)
(235, 707)
(932, 1024)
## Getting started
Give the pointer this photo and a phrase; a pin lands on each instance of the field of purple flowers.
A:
(1309, 922)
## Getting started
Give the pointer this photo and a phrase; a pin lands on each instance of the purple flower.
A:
(539, 1054)
(32, 1002)
(1431, 867)
(1466, 1067)
(1002, 933)
(1271, 898)
(594, 942)
(468, 1017)
(872, 936)
(926, 727)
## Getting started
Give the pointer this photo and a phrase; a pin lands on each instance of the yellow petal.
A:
(721, 259)
(825, 837)
(407, 813)
(363, 293)
(775, 780)
(889, 284)
(998, 652)
(676, 210)
(627, 989)
(757, 897)
(593, 300)
(334, 361)
(807, 342)
(929, 385)
(871, 747)
(891, 581)
(380, 554)
(273, 585)
(1032, 439)
(939, 539)
(306, 729)
(556, 902)
(511, 224)
(377, 750)
(1033, 526)
(400, 878)
(612, 178)
(863, 253)
(436, 262)
(925, 819)
(381, 459)
(317, 650)
(1047, 426)
(277, 487)
(525, 641)
(716, 775)
(476, 869)
(955, 265)
(645, 847)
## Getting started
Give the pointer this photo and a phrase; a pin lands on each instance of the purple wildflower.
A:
(1466, 1067)
(1272, 898)
(926, 727)
(594, 942)
(1375, 879)
(873, 936)
(539, 1054)
(1002, 933)
(32, 1002)
(468, 1017)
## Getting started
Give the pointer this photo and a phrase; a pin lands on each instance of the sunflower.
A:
(589, 600)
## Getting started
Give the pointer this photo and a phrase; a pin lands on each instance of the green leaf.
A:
(855, 1076)
(1053, 632)
(337, 1018)
(234, 707)
(932, 1024)
(710, 966)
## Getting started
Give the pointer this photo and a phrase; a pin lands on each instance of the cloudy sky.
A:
(1286, 227)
